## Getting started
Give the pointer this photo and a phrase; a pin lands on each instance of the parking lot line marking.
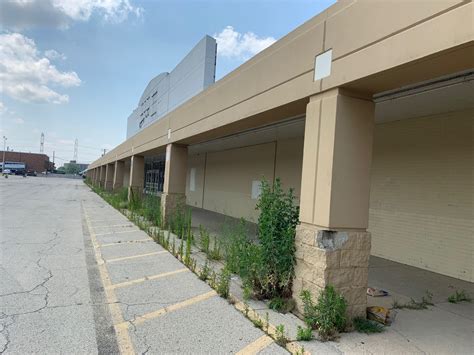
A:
(123, 337)
(135, 256)
(126, 242)
(143, 279)
(108, 233)
(128, 225)
(256, 346)
(165, 310)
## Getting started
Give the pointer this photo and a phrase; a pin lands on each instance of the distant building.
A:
(38, 162)
(78, 166)
(167, 91)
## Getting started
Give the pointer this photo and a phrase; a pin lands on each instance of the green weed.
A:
(459, 296)
(366, 326)
(223, 283)
(304, 334)
(280, 336)
(327, 315)
(426, 301)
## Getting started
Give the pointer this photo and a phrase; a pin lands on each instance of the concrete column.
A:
(109, 176)
(118, 174)
(102, 176)
(332, 244)
(174, 188)
(137, 176)
(96, 176)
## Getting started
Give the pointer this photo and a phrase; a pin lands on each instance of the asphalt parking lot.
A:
(78, 277)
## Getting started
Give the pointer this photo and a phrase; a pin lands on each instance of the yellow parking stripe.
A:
(127, 231)
(126, 242)
(172, 308)
(134, 256)
(143, 279)
(256, 346)
(123, 337)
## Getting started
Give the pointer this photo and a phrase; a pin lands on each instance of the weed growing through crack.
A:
(223, 283)
(204, 239)
(327, 315)
(181, 250)
(258, 323)
(304, 334)
(426, 301)
(459, 296)
(267, 321)
(280, 336)
(367, 326)
(215, 253)
(187, 256)
(205, 271)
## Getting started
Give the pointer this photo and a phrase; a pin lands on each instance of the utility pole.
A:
(42, 143)
(53, 161)
(105, 150)
(76, 145)
(3, 161)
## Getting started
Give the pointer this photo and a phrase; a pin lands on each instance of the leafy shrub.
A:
(181, 221)
(276, 232)
(135, 202)
(328, 315)
(151, 209)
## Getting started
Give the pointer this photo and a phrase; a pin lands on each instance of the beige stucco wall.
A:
(223, 180)
(421, 207)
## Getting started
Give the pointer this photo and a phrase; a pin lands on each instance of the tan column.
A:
(109, 176)
(96, 176)
(332, 244)
(137, 176)
(102, 176)
(174, 188)
(118, 174)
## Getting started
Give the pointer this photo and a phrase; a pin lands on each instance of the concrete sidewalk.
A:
(156, 304)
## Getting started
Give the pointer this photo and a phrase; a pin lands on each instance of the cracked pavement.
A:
(45, 302)
(60, 241)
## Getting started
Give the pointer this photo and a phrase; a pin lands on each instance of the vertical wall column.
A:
(174, 188)
(332, 244)
(109, 176)
(102, 176)
(137, 176)
(118, 174)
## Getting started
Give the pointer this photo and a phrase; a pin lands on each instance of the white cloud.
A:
(54, 55)
(27, 76)
(19, 120)
(20, 14)
(233, 44)
(3, 108)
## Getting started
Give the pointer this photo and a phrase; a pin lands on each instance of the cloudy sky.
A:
(75, 69)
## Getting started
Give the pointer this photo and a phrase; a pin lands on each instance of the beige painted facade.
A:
(223, 180)
(377, 47)
(422, 193)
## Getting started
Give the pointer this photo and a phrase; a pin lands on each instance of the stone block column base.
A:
(330, 257)
(169, 203)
